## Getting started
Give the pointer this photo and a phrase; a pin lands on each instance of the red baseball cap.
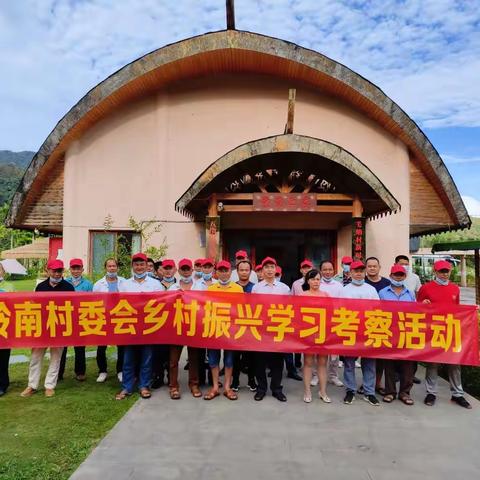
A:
(347, 260)
(55, 264)
(139, 256)
(356, 265)
(185, 262)
(258, 267)
(207, 261)
(198, 261)
(442, 265)
(268, 260)
(278, 270)
(306, 263)
(398, 269)
(224, 264)
(241, 254)
(168, 263)
(76, 262)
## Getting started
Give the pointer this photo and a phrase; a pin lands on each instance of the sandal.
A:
(230, 394)
(407, 399)
(175, 394)
(388, 398)
(145, 393)
(196, 392)
(324, 398)
(211, 394)
(307, 397)
(122, 395)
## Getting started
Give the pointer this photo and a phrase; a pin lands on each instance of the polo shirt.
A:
(248, 287)
(380, 285)
(103, 285)
(437, 293)
(83, 286)
(253, 276)
(412, 282)
(62, 286)
(364, 291)
(275, 288)
(297, 286)
(333, 288)
(177, 286)
(388, 293)
(232, 287)
(201, 285)
(149, 284)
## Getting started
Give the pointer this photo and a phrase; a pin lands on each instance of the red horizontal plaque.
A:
(284, 202)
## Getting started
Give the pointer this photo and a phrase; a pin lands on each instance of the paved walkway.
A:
(191, 438)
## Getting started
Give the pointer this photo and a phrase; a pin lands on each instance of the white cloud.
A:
(472, 205)
(456, 159)
(425, 54)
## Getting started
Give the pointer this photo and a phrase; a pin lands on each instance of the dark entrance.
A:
(288, 247)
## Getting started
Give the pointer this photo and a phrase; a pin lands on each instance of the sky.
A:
(424, 54)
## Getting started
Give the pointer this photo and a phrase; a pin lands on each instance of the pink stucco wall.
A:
(140, 160)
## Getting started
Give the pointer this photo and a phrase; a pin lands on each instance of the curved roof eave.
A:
(346, 83)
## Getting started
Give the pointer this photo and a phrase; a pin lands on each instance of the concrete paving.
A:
(191, 438)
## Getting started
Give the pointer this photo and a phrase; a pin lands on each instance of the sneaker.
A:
(49, 392)
(358, 364)
(157, 382)
(417, 381)
(335, 381)
(235, 387)
(101, 377)
(81, 377)
(28, 392)
(361, 391)
(462, 401)
(372, 400)
(120, 376)
(349, 398)
(430, 399)
(314, 380)
(252, 386)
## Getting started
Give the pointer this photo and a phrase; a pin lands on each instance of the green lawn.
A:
(27, 285)
(47, 438)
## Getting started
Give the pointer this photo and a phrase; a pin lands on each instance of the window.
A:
(120, 245)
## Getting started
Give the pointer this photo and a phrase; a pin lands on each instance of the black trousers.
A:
(161, 361)
(80, 362)
(4, 378)
(275, 362)
(241, 359)
(102, 358)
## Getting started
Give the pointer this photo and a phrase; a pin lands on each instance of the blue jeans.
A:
(144, 353)
(368, 371)
(214, 358)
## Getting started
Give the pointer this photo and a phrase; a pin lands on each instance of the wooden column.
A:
(358, 230)
(212, 226)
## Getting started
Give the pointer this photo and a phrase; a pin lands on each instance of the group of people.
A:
(146, 366)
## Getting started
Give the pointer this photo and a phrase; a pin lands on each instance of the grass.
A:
(47, 438)
(26, 285)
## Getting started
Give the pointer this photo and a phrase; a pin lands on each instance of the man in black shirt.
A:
(54, 283)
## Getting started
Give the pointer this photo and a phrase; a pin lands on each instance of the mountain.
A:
(12, 166)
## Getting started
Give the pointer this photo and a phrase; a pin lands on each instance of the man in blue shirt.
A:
(398, 292)
(80, 284)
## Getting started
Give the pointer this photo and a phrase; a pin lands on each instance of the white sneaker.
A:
(340, 364)
(102, 377)
(120, 376)
(358, 364)
(314, 380)
(335, 381)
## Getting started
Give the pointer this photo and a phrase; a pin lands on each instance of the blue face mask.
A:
(224, 283)
(151, 274)
(188, 279)
(207, 276)
(444, 283)
(327, 280)
(111, 274)
(397, 283)
(169, 279)
(198, 274)
(358, 283)
(55, 280)
(140, 276)
(346, 268)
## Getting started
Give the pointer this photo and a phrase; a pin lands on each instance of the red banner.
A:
(367, 328)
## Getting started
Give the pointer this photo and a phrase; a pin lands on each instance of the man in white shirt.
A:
(358, 289)
(139, 282)
(412, 282)
(272, 286)
(207, 275)
(240, 256)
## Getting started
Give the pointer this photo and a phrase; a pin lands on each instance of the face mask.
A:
(169, 279)
(346, 268)
(55, 280)
(207, 276)
(224, 283)
(358, 283)
(326, 280)
(151, 274)
(441, 282)
(408, 268)
(188, 279)
(111, 274)
(140, 276)
(397, 283)
(198, 274)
